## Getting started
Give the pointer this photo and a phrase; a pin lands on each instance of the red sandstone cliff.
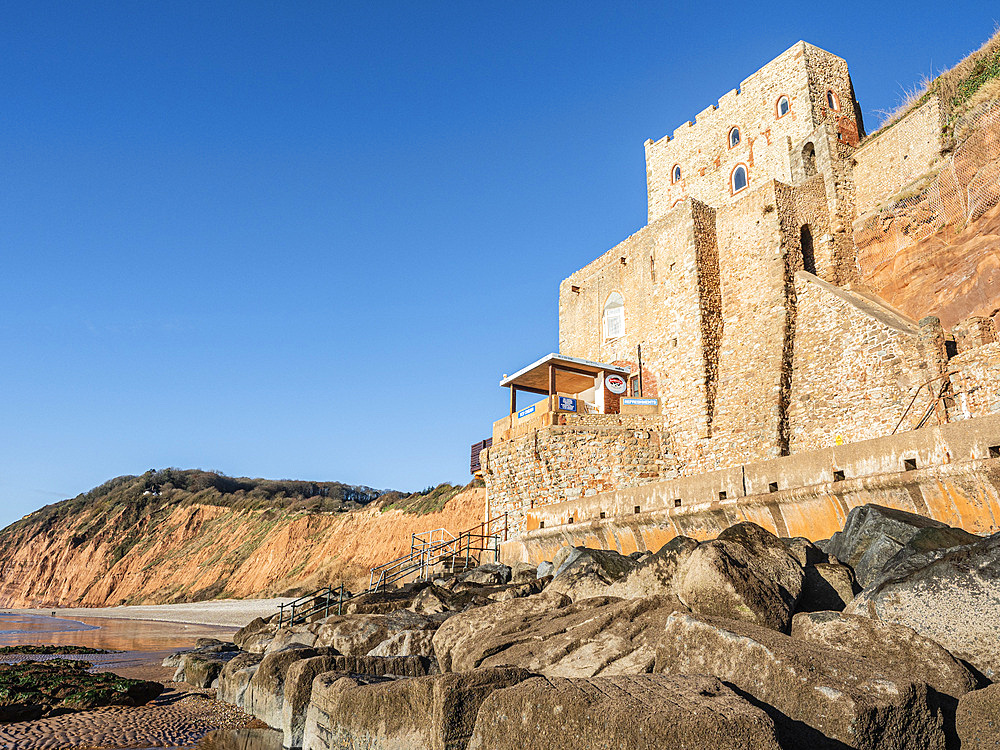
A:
(192, 551)
(953, 274)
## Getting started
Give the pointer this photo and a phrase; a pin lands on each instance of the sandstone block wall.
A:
(856, 362)
(895, 158)
(804, 74)
(975, 382)
(956, 480)
(668, 275)
(586, 455)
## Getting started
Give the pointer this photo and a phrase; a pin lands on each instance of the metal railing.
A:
(323, 601)
(429, 550)
(439, 548)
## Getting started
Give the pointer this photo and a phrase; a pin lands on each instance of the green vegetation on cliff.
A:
(973, 81)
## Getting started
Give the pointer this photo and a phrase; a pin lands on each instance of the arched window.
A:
(809, 159)
(734, 138)
(675, 173)
(783, 106)
(614, 316)
(738, 180)
(833, 101)
(808, 256)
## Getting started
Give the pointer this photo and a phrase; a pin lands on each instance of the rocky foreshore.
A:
(885, 637)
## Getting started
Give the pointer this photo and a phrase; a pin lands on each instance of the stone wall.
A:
(856, 362)
(668, 275)
(584, 455)
(954, 477)
(897, 156)
(804, 74)
(975, 382)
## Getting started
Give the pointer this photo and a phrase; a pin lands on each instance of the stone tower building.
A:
(757, 341)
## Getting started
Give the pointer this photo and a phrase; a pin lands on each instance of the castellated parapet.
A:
(758, 344)
(806, 79)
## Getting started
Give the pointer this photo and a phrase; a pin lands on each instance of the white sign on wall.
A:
(615, 384)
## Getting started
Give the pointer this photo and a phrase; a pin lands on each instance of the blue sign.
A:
(526, 412)
(640, 401)
(567, 404)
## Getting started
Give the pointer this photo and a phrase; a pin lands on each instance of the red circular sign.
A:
(615, 384)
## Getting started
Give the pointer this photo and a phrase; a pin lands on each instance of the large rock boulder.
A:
(581, 572)
(297, 693)
(487, 574)
(951, 596)
(894, 648)
(200, 669)
(746, 573)
(255, 635)
(436, 712)
(653, 574)
(817, 696)
(827, 586)
(399, 633)
(598, 636)
(874, 534)
(468, 626)
(202, 646)
(642, 712)
(235, 677)
(978, 719)
(265, 693)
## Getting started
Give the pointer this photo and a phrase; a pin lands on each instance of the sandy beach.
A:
(178, 718)
(228, 612)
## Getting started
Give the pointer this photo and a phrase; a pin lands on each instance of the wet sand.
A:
(178, 718)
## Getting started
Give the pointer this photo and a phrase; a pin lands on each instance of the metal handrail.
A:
(933, 404)
(425, 552)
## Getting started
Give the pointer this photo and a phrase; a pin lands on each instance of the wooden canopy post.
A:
(552, 379)
(513, 398)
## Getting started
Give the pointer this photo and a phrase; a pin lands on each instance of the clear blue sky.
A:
(305, 240)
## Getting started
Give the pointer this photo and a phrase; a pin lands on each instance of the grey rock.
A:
(873, 535)
(895, 648)
(438, 711)
(818, 697)
(827, 586)
(638, 712)
(544, 569)
(581, 572)
(951, 596)
(978, 719)
(746, 573)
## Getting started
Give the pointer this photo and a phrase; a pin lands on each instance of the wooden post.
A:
(513, 399)
(552, 379)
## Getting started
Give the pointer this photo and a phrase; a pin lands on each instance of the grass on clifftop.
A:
(974, 80)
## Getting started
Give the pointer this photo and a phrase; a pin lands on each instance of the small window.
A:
(638, 509)
(675, 174)
(772, 487)
(614, 316)
(739, 178)
(677, 502)
(722, 495)
(633, 386)
(832, 101)
(541, 524)
(571, 519)
(838, 475)
(603, 515)
(783, 106)
(734, 138)
(994, 451)
(909, 464)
